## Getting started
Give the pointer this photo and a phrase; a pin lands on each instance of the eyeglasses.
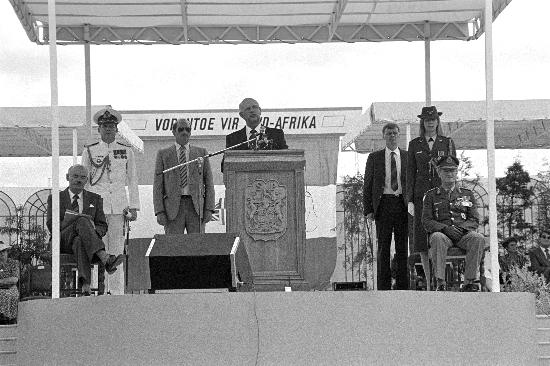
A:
(391, 133)
(181, 129)
(545, 236)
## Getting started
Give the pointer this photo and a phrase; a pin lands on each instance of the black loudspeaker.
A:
(199, 261)
(349, 286)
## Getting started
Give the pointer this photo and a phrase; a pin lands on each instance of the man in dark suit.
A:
(83, 226)
(384, 201)
(267, 138)
(540, 255)
(183, 198)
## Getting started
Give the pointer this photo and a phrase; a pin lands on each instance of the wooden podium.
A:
(264, 200)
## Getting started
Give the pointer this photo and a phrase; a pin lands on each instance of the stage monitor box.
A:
(199, 261)
(349, 286)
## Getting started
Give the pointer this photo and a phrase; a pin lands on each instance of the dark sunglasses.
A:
(181, 129)
(545, 236)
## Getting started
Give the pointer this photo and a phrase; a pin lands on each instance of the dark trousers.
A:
(81, 240)
(392, 218)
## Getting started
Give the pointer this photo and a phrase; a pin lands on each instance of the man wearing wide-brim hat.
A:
(450, 217)
(111, 165)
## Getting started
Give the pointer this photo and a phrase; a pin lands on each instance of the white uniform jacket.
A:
(111, 167)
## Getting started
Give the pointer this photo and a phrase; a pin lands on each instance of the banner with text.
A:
(223, 122)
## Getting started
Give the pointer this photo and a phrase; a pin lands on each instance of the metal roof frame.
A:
(254, 22)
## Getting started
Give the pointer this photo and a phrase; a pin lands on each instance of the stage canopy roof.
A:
(26, 131)
(519, 124)
(254, 21)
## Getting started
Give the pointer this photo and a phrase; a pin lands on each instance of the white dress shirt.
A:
(387, 181)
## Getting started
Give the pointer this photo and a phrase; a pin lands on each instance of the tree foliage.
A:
(543, 212)
(514, 197)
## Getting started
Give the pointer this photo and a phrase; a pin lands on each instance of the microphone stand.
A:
(201, 197)
(199, 161)
(210, 155)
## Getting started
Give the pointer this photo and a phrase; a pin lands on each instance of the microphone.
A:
(263, 142)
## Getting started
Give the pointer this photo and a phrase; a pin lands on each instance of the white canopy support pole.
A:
(75, 146)
(427, 67)
(491, 143)
(88, 78)
(52, 26)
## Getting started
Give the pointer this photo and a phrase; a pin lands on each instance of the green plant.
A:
(357, 245)
(523, 280)
(30, 246)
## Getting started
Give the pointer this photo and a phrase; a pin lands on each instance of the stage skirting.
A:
(278, 328)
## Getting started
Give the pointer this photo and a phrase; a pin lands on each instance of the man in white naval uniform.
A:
(112, 166)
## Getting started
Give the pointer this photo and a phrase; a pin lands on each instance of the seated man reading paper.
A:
(82, 225)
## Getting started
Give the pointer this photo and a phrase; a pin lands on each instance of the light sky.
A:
(279, 76)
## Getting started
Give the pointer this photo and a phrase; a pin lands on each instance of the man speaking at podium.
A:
(267, 138)
(184, 197)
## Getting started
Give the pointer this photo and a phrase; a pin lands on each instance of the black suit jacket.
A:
(539, 263)
(93, 206)
(375, 177)
(274, 135)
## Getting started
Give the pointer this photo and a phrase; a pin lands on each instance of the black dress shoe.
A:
(441, 287)
(471, 287)
(113, 262)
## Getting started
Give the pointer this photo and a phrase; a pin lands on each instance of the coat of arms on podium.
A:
(265, 209)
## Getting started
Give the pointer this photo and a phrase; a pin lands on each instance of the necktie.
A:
(74, 204)
(431, 143)
(252, 144)
(183, 168)
(546, 252)
(394, 184)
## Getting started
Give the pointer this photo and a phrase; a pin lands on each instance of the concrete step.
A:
(8, 358)
(543, 340)
(8, 344)
(543, 334)
(543, 321)
(8, 331)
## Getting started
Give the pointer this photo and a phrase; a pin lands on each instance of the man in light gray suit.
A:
(183, 198)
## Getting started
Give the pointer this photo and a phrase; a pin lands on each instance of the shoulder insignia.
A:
(120, 143)
(90, 145)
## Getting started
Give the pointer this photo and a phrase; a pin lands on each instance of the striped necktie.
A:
(74, 205)
(183, 168)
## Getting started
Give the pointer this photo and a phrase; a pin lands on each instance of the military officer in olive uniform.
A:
(112, 166)
(450, 217)
(421, 175)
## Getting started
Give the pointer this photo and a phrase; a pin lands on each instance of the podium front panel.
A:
(265, 204)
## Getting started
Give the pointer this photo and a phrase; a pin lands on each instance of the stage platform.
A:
(278, 328)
